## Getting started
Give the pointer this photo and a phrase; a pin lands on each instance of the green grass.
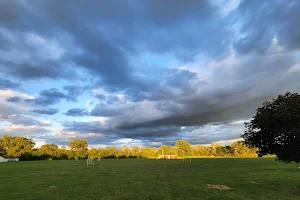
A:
(150, 179)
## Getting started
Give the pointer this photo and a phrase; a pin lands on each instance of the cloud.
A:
(7, 84)
(7, 110)
(280, 19)
(19, 119)
(149, 72)
(137, 26)
(155, 136)
(52, 96)
(48, 111)
(21, 130)
(229, 91)
(14, 112)
(5, 94)
(14, 99)
(110, 134)
(74, 91)
(77, 112)
(62, 137)
(209, 133)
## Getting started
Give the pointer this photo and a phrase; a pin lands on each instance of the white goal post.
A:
(89, 161)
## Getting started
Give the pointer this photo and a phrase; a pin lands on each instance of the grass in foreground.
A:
(248, 178)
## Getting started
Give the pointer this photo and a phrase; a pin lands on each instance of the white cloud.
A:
(45, 123)
(210, 133)
(226, 6)
(239, 122)
(67, 136)
(128, 142)
(21, 130)
(228, 142)
(4, 94)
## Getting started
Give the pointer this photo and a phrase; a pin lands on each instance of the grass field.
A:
(248, 178)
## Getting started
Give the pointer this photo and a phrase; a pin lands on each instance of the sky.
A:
(144, 72)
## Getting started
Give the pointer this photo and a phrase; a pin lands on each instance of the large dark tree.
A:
(275, 129)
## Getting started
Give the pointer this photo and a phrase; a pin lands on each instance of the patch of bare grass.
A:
(253, 182)
(219, 187)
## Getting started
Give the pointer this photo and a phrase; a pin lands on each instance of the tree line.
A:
(78, 149)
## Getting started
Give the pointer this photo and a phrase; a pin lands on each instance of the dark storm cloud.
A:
(40, 70)
(84, 127)
(262, 21)
(77, 112)
(200, 111)
(163, 133)
(34, 66)
(102, 109)
(191, 102)
(7, 84)
(238, 100)
(137, 26)
(166, 135)
(103, 44)
(52, 96)
(159, 27)
(148, 133)
(14, 99)
(6, 11)
(47, 111)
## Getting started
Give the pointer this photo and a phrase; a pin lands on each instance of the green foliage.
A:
(93, 153)
(126, 151)
(49, 151)
(275, 129)
(112, 152)
(167, 150)
(15, 146)
(78, 149)
(241, 149)
(199, 150)
(215, 149)
(184, 148)
(136, 152)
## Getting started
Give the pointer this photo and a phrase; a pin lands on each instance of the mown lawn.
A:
(248, 178)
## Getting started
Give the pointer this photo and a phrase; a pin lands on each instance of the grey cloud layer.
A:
(229, 64)
(14, 115)
(6, 84)
(262, 21)
(77, 112)
(113, 31)
(48, 111)
(14, 99)
(54, 96)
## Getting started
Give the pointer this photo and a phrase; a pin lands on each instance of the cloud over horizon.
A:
(149, 72)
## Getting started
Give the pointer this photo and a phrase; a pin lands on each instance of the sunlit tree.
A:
(80, 148)
(15, 146)
(49, 151)
(184, 148)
